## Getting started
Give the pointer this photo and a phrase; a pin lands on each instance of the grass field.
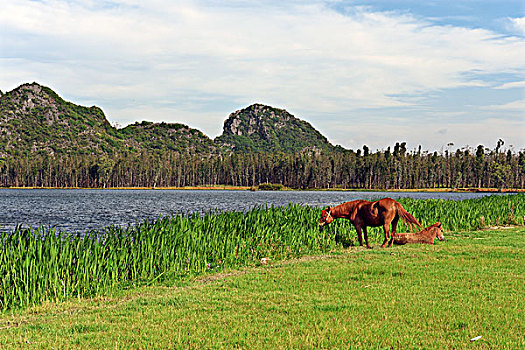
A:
(432, 297)
(41, 265)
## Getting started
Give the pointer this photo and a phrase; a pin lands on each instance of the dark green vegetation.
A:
(46, 265)
(162, 137)
(410, 297)
(48, 142)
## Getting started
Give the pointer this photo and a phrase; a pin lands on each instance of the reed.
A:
(468, 215)
(43, 264)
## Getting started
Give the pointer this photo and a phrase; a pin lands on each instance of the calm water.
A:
(83, 210)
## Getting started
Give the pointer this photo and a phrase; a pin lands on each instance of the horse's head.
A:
(439, 230)
(326, 217)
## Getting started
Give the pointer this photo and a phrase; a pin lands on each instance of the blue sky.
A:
(362, 72)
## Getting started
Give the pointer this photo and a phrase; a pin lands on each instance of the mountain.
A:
(260, 128)
(34, 119)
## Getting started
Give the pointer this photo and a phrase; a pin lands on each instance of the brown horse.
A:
(363, 213)
(425, 236)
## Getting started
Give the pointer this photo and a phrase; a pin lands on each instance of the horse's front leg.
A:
(386, 228)
(366, 237)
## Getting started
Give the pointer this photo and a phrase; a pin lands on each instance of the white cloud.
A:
(511, 85)
(518, 105)
(517, 25)
(162, 57)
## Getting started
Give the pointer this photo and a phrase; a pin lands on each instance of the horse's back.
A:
(346, 208)
(386, 202)
(385, 206)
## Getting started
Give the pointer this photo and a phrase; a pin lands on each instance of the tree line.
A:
(394, 168)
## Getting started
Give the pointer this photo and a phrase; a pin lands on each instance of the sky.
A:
(373, 73)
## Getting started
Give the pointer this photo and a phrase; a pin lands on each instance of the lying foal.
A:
(425, 236)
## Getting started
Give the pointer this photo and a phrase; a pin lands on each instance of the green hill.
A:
(34, 119)
(260, 128)
(175, 137)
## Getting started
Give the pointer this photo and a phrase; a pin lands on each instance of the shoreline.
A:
(247, 188)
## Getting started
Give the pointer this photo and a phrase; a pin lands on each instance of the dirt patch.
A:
(270, 264)
(500, 228)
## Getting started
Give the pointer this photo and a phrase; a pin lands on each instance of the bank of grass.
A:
(42, 265)
(433, 297)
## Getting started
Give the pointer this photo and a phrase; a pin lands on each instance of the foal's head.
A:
(326, 217)
(439, 231)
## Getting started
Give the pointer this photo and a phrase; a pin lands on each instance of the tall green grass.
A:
(468, 215)
(42, 264)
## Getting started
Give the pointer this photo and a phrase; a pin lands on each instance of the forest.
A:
(395, 168)
(46, 141)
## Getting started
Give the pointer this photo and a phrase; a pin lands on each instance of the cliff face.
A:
(260, 128)
(258, 119)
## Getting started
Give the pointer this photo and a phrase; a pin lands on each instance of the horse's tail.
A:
(406, 216)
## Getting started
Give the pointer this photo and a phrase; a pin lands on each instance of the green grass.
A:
(42, 265)
(408, 297)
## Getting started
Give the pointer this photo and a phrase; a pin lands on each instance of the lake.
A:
(88, 209)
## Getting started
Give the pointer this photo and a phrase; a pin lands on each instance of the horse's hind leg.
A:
(394, 228)
(386, 228)
(366, 237)
(359, 235)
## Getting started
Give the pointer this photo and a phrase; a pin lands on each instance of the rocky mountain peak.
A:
(257, 118)
(260, 128)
